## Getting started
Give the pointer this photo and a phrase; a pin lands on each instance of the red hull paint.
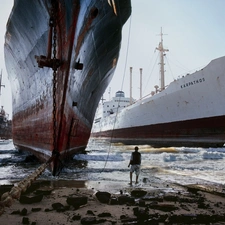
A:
(205, 132)
(88, 33)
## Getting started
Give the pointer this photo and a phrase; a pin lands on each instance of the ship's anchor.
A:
(47, 61)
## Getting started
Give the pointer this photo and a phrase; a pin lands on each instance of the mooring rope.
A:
(124, 72)
(16, 191)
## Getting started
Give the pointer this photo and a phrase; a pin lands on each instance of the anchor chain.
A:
(55, 152)
(53, 63)
(54, 80)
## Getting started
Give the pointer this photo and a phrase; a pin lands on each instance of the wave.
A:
(114, 158)
(213, 155)
(11, 151)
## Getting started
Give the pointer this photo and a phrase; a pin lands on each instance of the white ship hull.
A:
(189, 112)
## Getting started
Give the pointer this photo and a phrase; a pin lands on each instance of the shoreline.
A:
(108, 202)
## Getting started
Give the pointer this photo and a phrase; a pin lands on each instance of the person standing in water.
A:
(135, 162)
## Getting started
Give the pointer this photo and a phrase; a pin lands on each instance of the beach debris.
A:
(35, 209)
(166, 207)
(59, 207)
(23, 212)
(195, 218)
(162, 208)
(171, 197)
(90, 212)
(88, 220)
(25, 220)
(16, 212)
(77, 201)
(141, 203)
(104, 214)
(44, 191)
(114, 201)
(30, 199)
(138, 193)
(141, 214)
(76, 217)
(103, 197)
(92, 220)
(130, 221)
(153, 198)
(124, 199)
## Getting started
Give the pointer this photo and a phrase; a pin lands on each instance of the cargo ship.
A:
(60, 57)
(189, 112)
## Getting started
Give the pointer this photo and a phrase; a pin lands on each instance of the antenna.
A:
(162, 50)
(109, 92)
(140, 83)
(102, 99)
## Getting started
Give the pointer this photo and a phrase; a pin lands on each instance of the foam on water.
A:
(103, 161)
(99, 157)
(213, 155)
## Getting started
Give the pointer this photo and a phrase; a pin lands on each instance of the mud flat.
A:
(82, 202)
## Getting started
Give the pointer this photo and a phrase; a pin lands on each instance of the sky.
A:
(6, 97)
(194, 34)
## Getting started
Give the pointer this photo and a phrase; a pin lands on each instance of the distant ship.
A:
(60, 57)
(189, 112)
(5, 123)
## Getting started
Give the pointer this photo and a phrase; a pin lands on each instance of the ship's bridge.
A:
(117, 103)
(120, 94)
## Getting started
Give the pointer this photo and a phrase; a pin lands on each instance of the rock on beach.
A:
(123, 206)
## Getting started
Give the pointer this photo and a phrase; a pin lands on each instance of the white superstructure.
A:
(189, 112)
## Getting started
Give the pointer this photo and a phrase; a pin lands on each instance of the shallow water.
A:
(103, 161)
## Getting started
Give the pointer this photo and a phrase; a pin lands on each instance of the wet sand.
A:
(116, 203)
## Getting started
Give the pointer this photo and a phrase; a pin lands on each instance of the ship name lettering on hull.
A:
(193, 82)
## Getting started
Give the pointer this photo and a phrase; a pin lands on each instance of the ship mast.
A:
(1, 83)
(162, 54)
(141, 83)
(131, 85)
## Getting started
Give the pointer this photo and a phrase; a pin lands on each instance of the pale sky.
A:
(5, 98)
(195, 34)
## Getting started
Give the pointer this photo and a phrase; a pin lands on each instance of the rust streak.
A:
(87, 26)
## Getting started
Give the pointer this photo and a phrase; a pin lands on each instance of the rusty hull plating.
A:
(87, 35)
